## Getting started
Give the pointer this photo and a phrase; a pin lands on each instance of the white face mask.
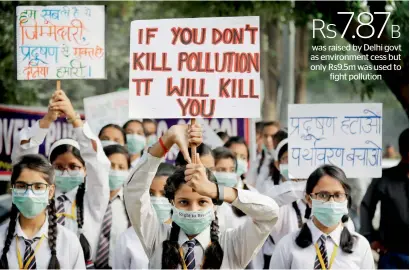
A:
(284, 171)
(228, 179)
(108, 143)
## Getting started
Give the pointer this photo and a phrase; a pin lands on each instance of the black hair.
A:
(202, 150)
(279, 136)
(237, 140)
(404, 143)
(116, 127)
(304, 238)
(273, 171)
(259, 127)
(117, 149)
(223, 135)
(124, 127)
(79, 197)
(170, 248)
(165, 169)
(224, 153)
(40, 164)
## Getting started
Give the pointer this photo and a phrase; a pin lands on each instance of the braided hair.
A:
(304, 238)
(170, 248)
(79, 197)
(40, 164)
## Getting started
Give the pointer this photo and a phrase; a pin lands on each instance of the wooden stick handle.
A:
(58, 85)
(193, 148)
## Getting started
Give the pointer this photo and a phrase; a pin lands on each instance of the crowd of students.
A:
(111, 201)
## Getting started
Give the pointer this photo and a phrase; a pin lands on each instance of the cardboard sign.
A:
(195, 68)
(60, 42)
(346, 135)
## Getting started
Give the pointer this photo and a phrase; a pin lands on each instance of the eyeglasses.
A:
(71, 167)
(325, 196)
(20, 188)
(70, 171)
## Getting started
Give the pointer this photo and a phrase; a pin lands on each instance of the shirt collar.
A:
(70, 194)
(316, 233)
(43, 230)
(119, 195)
(203, 238)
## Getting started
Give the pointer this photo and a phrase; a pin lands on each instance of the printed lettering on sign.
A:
(346, 135)
(195, 68)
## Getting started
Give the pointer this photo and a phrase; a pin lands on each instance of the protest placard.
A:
(60, 42)
(346, 135)
(195, 68)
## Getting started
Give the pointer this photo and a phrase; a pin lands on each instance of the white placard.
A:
(60, 42)
(112, 108)
(195, 68)
(346, 135)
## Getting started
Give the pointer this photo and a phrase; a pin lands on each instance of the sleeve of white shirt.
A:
(287, 192)
(138, 204)
(121, 258)
(35, 135)
(97, 192)
(281, 257)
(245, 241)
(79, 262)
(368, 261)
(252, 174)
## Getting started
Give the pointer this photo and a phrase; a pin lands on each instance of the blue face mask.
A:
(117, 178)
(228, 179)
(241, 167)
(108, 143)
(66, 181)
(135, 143)
(329, 213)
(193, 222)
(151, 140)
(29, 204)
(284, 171)
(162, 208)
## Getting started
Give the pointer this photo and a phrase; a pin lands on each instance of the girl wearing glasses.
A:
(33, 239)
(324, 242)
(81, 171)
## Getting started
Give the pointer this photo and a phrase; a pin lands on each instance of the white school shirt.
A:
(129, 253)
(256, 179)
(69, 252)
(287, 255)
(240, 245)
(118, 225)
(97, 192)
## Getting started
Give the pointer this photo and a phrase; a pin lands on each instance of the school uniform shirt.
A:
(287, 255)
(97, 165)
(225, 216)
(69, 252)
(286, 192)
(119, 223)
(240, 245)
(134, 163)
(256, 179)
(128, 252)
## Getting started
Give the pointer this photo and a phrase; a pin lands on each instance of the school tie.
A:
(322, 248)
(190, 256)
(60, 209)
(104, 243)
(29, 252)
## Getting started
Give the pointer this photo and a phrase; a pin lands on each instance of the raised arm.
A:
(136, 194)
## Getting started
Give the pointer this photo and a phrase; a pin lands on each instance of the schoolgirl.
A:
(129, 253)
(112, 134)
(32, 239)
(194, 240)
(81, 170)
(136, 141)
(324, 242)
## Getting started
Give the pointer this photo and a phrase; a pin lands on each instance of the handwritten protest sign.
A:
(60, 42)
(193, 68)
(346, 135)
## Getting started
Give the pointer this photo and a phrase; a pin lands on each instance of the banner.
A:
(13, 119)
(60, 42)
(195, 68)
(346, 135)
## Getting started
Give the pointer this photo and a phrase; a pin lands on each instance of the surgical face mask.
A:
(135, 143)
(284, 171)
(193, 222)
(68, 180)
(228, 179)
(117, 178)
(29, 204)
(162, 208)
(108, 143)
(151, 140)
(329, 213)
(242, 166)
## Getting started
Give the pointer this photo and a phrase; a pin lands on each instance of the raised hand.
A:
(196, 178)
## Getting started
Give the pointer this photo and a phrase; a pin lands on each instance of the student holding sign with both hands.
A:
(194, 240)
